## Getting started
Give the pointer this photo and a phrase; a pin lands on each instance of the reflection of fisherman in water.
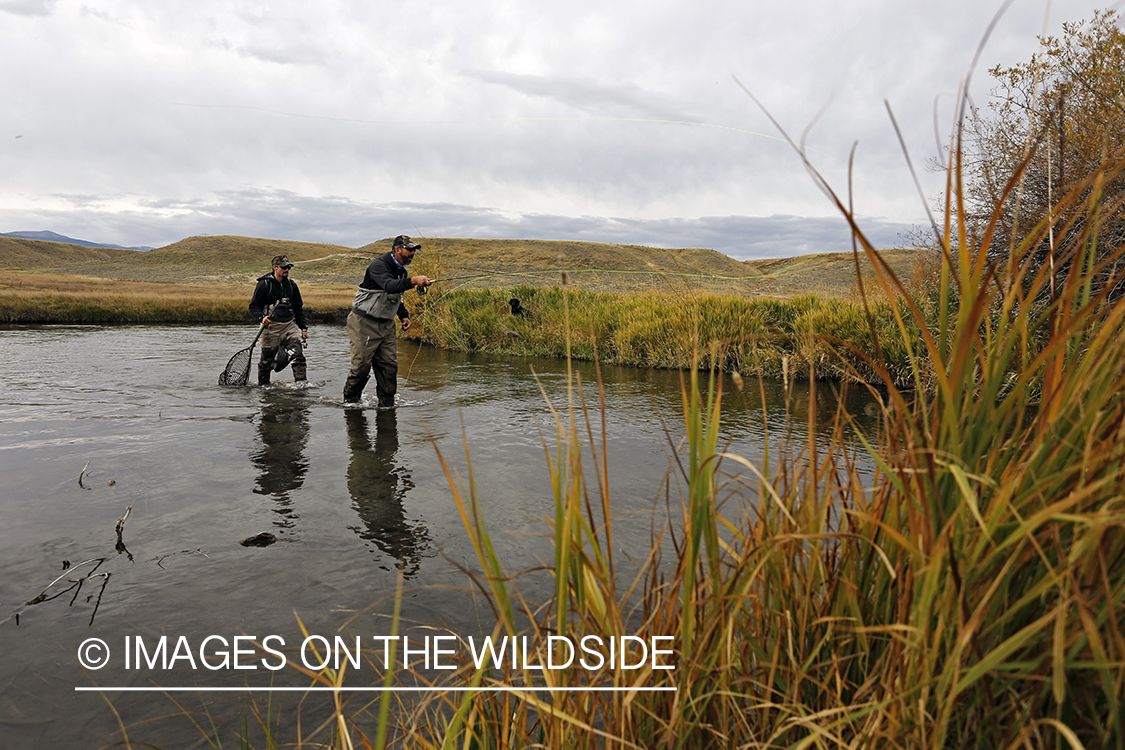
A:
(284, 430)
(377, 486)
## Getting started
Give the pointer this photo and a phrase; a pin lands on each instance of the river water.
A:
(355, 498)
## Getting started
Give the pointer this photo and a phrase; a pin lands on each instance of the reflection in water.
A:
(816, 406)
(284, 431)
(377, 484)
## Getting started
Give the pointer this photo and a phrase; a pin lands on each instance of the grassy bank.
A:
(29, 297)
(776, 338)
(965, 595)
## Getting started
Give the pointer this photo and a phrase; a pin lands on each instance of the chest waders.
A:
(282, 344)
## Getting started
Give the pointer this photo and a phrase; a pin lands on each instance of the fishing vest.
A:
(376, 303)
(280, 311)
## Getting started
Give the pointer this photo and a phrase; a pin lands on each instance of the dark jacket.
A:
(385, 273)
(269, 293)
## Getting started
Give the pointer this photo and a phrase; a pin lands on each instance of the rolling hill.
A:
(229, 260)
(56, 237)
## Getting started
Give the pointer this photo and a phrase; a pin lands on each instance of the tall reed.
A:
(969, 594)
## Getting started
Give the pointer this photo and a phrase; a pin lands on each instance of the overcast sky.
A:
(345, 121)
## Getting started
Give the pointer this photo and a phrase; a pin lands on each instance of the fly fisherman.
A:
(371, 323)
(277, 304)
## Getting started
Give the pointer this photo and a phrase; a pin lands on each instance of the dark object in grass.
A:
(264, 539)
(518, 309)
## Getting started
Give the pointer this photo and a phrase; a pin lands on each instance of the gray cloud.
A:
(621, 100)
(526, 120)
(280, 214)
(29, 7)
(282, 54)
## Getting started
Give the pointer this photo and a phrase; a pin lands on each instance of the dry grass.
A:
(21, 253)
(469, 263)
(775, 338)
(35, 297)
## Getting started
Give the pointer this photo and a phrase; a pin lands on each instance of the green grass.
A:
(794, 338)
(967, 595)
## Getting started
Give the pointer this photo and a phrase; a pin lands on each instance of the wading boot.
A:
(265, 365)
(353, 389)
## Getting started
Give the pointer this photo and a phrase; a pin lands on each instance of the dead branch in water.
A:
(43, 594)
(75, 586)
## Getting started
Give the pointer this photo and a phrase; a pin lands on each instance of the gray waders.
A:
(374, 350)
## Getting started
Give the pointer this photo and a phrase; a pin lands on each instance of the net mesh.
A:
(238, 369)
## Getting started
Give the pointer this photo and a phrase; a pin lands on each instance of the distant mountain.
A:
(54, 237)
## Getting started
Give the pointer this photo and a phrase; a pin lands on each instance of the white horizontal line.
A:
(494, 689)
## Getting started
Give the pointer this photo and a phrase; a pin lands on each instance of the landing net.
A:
(238, 369)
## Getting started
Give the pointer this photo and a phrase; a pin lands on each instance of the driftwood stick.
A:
(81, 474)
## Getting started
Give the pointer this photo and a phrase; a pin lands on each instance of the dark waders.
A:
(277, 336)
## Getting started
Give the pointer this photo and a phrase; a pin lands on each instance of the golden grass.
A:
(34, 297)
(467, 264)
(20, 253)
(778, 338)
(967, 594)
(772, 337)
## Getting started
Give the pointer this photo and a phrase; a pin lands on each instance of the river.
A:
(97, 420)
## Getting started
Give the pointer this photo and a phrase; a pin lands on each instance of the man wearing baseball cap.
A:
(277, 306)
(371, 322)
